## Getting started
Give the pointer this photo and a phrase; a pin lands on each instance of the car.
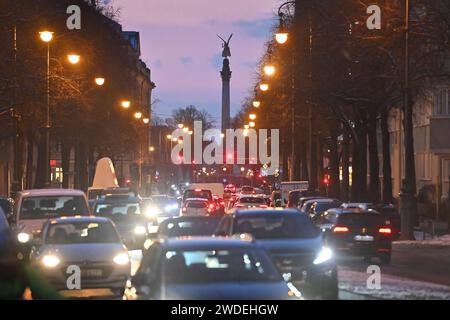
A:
(125, 211)
(302, 201)
(296, 245)
(220, 204)
(357, 232)
(160, 207)
(321, 205)
(391, 212)
(207, 268)
(230, 188)
(188, 227)
(5, 231)
(308, 203)
(197, 207)
(7, 205)
(294, 198)
(199, 193)
(89, 243)
(358, 205)
(247, 190)
(250, 201)
(35, 207)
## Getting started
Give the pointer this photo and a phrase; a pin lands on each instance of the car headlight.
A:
(153, 228)
(121, 259)
(23, 237)
(152, 212)
(140, 230)
(50, 261)
(171, 207)
(324, 255)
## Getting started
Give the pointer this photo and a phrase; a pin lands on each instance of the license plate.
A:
(363, 238)
(91, 273)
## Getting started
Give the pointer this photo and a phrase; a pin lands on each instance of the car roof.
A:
(199, 242)
(197, 199)
(52, 192)
(82, 219)
(119, 198)
(271, 211)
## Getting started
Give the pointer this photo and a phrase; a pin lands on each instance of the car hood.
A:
(280, 246)
(227, 291)
(96, 252)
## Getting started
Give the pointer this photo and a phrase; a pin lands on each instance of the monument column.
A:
(226, 76)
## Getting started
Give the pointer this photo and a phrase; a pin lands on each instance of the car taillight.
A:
(263, 206)
(385, 230)
(184, 209)
(340, 229)
(222, 203)
(211, 206)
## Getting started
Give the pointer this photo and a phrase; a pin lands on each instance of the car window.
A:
(251, 200)
(118, 209)
(273, 226)
(223, 265)
(203, 194)
(81, 233)
(192, 227)
(45, 207)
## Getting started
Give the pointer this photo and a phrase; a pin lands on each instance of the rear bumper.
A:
(355, 248)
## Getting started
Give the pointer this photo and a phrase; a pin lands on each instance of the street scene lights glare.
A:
(186, 129)
(191, 132)
(125, 104)
(252, 124)
(252, 116)
(152, 149)
(46, 36)
(256, 104)
(73, 58)
(180, 141)
(138, 115)
(174, 139)
(180, 126)
(281, 38)
(146, 120)
(100, 81)
(264, 86)
(169, 136)
(246, 127)
(269, 70)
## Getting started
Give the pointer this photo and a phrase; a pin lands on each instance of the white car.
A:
(91, 244)
(197, 207)
(250, 201)
(35, 207)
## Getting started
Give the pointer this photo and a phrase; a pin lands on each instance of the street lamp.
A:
(146, 120)
(125, 104)
(269, 70)
(47, 36)
(73, 58)
(256, 104)
(152, 149)
(169, 137)
(138, 115)
(264, 86)
(252, 124)
(180, 126)
(99, 81)
(252, 116)
(281, 37)
(186, 129)
(190, 132)
(246, 127)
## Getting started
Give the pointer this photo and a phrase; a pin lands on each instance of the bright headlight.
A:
(121, 259)
(140, 230)
(23, 237)
(324, 255)
(50, 261)
(152, 212)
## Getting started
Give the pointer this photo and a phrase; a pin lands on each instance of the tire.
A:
(385, 258)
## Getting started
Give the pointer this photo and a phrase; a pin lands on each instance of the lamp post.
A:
(47, 36)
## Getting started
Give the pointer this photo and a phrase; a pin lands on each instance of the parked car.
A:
(391, 212)
(209, 269)
(295, 244)
(125, 211)
(188, 227)
(91, 243)
(35, 207)
(357, 232)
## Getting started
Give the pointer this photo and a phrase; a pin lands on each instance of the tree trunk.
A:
(374, 165)
(363, 162)
(334, 188)
(41, 165)
(65, 155)
(345, 167)
(30, 160)
(82, 173)
(304, 162)
(387, 170)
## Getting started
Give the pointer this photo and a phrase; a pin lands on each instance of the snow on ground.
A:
(438, 241)
(392, 287)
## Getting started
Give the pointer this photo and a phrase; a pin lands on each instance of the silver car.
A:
(85, 247)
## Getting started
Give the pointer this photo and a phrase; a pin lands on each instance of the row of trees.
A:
(344, 81)
(85, 117)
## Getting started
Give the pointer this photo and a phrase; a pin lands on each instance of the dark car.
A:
(358, 232)
(322, 205)
(391, 212)
(206, 268)
(188, 226)
(126, 212)
(294, 198)
(295, 244)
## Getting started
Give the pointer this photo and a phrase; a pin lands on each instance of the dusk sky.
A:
(180, 45)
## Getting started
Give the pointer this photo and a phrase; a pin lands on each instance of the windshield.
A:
(117, 210)
(275, 226)
(203, 194)
(193, 227)
(53, 206)
(323, 206)
(252, 200)
(81, 232)
(225, 265)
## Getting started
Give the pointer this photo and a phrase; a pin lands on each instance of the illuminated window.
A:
(441, 102)
(57, 175)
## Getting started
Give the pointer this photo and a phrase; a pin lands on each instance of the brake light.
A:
(385, 231)
(184, 209)
(197, 190)
(222, 203)
(340, 229)
(211, 205)
(263, 206)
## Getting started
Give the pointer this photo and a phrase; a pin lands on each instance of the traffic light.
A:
(326, 180)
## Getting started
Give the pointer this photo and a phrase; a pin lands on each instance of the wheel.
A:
(385, 258)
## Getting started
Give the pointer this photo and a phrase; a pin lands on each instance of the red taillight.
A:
(263, 206)
(340, 229)
(211, 206)
(385, 230)
(222, 203)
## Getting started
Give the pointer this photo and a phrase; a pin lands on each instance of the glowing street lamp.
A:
(180, 126)
(256, 104)
(252, 124)
(99, 81)
(73, 58)
(186, 129)
(169, 137)
(138, 115)
(190, 132)
(246, 127)
(269, 70)
(146, 120)
(46, 36)
(281, 37)
(174, 139)
(125, 104)
(264, 86)
(152, 149)
(252, 116)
